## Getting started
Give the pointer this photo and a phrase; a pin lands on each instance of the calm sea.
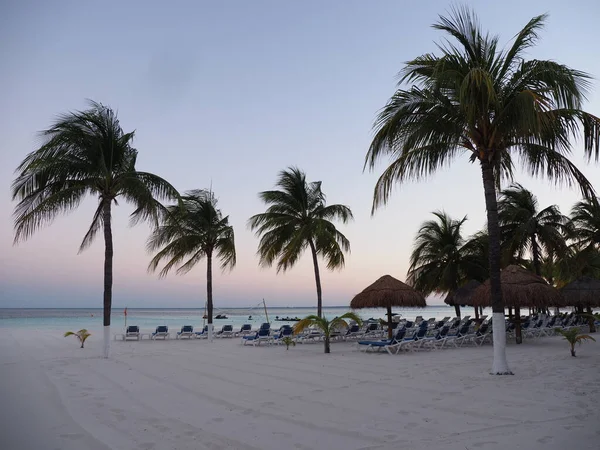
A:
(149, 319)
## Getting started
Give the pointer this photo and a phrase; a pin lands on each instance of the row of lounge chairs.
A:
(187, 331)
(454, 333)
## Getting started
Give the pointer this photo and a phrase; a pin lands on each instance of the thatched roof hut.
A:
(462, 296)
(520, 288)
(584, 292)
(387, 292)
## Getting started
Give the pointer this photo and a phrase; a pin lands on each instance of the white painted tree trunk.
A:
(210, 332)
(500, 365)
(106, 341)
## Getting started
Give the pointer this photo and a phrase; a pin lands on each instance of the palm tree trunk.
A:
(209, 297)
(389, 316)
(500, 364)
(317, 279)
(108, 275)
(327, 348)
(535, 250)
(457, 310)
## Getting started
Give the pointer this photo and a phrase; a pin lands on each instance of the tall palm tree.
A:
(86, 152)
(192, 230)
(442, 260)
(524, 228)
(585, 217)
(298, 218)
(493, 105)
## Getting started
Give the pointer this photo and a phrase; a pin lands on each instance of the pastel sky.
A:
(230, 93)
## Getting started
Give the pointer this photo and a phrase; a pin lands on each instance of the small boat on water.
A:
(221, 316)
(287, 319)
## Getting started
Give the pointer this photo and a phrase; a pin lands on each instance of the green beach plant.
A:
(288, 340)
(326, 326)
(192, 230)
(81, 335)
(86, 153)
(486, 101)
(573, 337)
(298, 218)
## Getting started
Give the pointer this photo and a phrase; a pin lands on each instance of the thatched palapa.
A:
(583, 292)
(462, 296)
(387, 292)
(520, 288)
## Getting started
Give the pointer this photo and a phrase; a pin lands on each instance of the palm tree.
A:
(524, 227)
(192, 230)
(585, 216)
(442, 260)
(493, 105)
(81, 335)
(298, 218)
(573, 337)
(326, 326)
(86, 152)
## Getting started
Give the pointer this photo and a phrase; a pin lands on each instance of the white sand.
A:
(196, 395)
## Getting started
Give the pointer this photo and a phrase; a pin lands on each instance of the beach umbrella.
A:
(520, 288)
(462, 296)
(583, 293)
(387, 292)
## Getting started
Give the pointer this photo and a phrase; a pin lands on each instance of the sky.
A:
(227, 94)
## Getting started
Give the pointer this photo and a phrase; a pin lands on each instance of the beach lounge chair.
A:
(226, 331)
(162, 331)
(202, 334)
(429, 341)
(409, 342)
(283, 333)
(132, 331)
(187, 331)
(385, 344)
(454, 339)
(245, 330)
(261, 335)
(353, 332)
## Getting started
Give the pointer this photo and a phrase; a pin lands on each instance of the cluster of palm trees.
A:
(474, 99)
(485, 102)
(554, 246)
(88, 153)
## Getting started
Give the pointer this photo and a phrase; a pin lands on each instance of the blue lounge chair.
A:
(245, 330)
(408, 341)
(285, 331)
(261, 335)
(202, 334)
(132, 331)
(162, 331)
(226, 331)
(383, 343)
(186, 331)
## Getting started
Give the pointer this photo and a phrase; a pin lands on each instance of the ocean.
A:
(149, 318)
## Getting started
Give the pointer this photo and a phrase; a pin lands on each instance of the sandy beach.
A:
(182, 395)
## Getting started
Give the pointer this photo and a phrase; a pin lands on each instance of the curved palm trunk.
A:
(535, 250)
(389, 316)
(326, 341)
(317, 279)
(500, 364)
(108, 268)
(209, 299)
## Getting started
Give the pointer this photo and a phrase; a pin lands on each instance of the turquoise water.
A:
(149, 319)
